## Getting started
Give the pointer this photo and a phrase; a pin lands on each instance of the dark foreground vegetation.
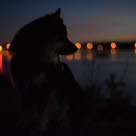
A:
(87, 112)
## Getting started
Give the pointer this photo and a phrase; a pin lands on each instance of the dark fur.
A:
(39, 32)
(37, 75)
(37, 44)
(31, 42)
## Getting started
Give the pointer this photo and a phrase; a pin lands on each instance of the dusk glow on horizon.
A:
(94, 20)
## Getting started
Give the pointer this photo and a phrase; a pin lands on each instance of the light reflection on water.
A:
(5, 57)
(77, 55)
(89, 66)
(112, 54)
(101, 64)
(89, 56)
(1, 64)
(134, 51)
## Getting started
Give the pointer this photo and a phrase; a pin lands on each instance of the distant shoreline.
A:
(107, 44)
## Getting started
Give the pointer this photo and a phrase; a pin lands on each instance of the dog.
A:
(38, 45)
(35, 63)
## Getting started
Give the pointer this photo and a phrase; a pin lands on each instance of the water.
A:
(91, 67)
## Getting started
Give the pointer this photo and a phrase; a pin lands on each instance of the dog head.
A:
(58, 43)
(45, 36)
(58, 35)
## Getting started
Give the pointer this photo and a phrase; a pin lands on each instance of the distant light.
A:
(100, 47)
(0, 48)
(8, 45)
(69, 57)
(89, 45)
(113, 45)
(78, 45)
(135, 45)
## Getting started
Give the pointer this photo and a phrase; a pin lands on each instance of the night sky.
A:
(92, 20)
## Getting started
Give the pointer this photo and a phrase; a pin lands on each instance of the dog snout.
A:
(67, 49)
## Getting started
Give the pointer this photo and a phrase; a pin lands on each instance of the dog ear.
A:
(58, 12)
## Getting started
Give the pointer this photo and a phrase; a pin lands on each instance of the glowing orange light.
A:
(113, 45)
(0, 48)
(69, 57)
(89, 56)
(89, 45)
(100, 47)
(78, 45)
(78, 55)
(135, 45)
(113, 51)
(1, 66)
(8, 46)
(134, 51)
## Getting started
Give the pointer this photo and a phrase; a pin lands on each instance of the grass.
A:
(89, 111)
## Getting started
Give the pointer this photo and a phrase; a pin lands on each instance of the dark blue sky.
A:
(86, 19)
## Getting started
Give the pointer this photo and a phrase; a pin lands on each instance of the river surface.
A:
(91, 67)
